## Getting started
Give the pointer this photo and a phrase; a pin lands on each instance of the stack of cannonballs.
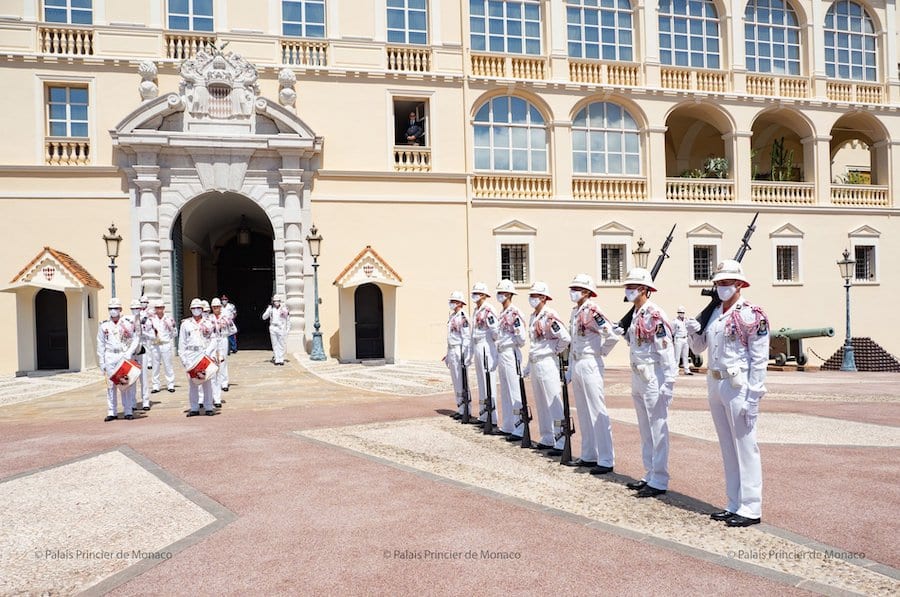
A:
(869, 357)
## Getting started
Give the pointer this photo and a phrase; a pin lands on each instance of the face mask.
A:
(197, 311)
(475, 298)
(114, 313)
(501, 298)
(452, 305)
(575, 295)
(631, 294)
(534, 301)
(725, 292)
(135, 312)
(276, 304)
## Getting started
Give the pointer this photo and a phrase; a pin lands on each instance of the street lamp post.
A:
(112, 241)
(315, 245)
(641, 254)
(846, 266)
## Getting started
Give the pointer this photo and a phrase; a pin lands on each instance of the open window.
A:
(411, 122)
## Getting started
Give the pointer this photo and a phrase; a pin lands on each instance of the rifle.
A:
(488, 400)
(524, 413)
(625, 322)
(466, 397)
(565, 425)
(714, 300)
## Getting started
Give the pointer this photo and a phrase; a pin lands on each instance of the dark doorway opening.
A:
(368, 305)
(246, 273)
(52, 331)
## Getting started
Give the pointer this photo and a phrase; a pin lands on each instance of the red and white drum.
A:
(203, 370)
(126, 373)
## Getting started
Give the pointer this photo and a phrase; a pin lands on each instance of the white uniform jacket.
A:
(457, 337)
(116, 341)
(592, 332)
(651, 339)
(195, 339)
(548, 334)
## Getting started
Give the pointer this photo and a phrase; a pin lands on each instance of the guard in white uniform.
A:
(682, 351)
(222, 325)
(142, 355)
(653, 372)
(230, 310)
(737, 337)
(549, 338)
(279, 325)
(458, 337)
(116, 341)
(510, 339)
(593, 338)
(484, 335)
(197, 338)
(162, 345)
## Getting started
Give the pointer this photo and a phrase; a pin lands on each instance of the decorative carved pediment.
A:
(614, 228)
(515, 227)
(368, 267)
(220, 86)
(706, 230)
(788, 230)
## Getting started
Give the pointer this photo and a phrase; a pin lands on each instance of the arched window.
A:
(510, 135)
(600, 29)
(689, 33)
(772, 37)
(605, 140)
(508, 26)
(850, 43)
(303, 18)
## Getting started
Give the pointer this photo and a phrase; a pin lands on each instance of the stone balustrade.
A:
(864, 195)
(694, 80)
(512, 186)
(768, 85)
(608, 189)
(783, 193)
(604, 73)
(303, 52)
(67, 151)
(505, 66)
(73, 41)
(702, 190)
(410, 158)
(183, 45)
(409, 59)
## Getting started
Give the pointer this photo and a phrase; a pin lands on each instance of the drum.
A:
(202, 371)
(126, 374)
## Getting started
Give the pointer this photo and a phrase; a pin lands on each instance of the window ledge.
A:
(869, 283)
(777, 283)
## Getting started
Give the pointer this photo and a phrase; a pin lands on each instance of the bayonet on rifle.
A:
(625, 322)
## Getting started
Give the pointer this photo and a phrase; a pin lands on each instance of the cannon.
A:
(787, 343)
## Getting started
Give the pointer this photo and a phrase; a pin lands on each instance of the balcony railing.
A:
(409, 59)
(512, 186)
(704, 190)
(860, 194)
(695, 80)
(183, 45)
(515, 67)
(603, 73)
(67, 151)
(302, 52)
(777, 86)
(409, 158)
(609, 189)
(860, 93)
(783, 193)
(76, 41)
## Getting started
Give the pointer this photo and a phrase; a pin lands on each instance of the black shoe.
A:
(217, 404)
(156, 391)
(109, 418)
(543, 447)
(171, 390)
(210, 413)
(456, 416)
(193, 413)
(513, 438)
(722, 515)
(554, 452)
(225, 389)
(129, 417)
(601, 470)
(635, 485)
(587, 463)
(649, 491)
(741, 521)
(506, 433)
(145, 408)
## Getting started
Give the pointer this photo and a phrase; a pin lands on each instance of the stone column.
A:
(294, 240)
(817, 159)
(737, 150)
(646, 46)
(654, 162)
(148, 186)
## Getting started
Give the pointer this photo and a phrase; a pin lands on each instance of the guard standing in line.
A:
(197, 338)
(116, 342)
(593, 338)
(162, 345)
(142, 355)
(221, 324)
(279, 325)
(737, 337)
(230, 310)
(484, 334)
(457, 346)
(682, 352)
(510, 339)
(549, 338)
(653, 372)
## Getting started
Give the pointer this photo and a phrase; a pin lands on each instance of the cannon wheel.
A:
(697, 360)
(801, 359)
(780, 359)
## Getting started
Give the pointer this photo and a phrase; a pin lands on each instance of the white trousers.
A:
(145, 361)
(277, 337)
(682, 354)
(510, 398)
(194, 395)
(162, 357)
(740, 453)
(453, 363)
(593, 418)
(126, 397)
(478, 357)
(653, 422)
(223, 365)
(547, 397)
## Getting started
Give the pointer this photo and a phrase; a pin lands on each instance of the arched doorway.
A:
(368, 306)
(223, 244)
(51, 333)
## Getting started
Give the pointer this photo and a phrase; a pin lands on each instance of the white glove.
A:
(527, 370)
(692, 325)
(667, 392)
(750, 413)
(618, 330)
(569, 375)
(494, 364)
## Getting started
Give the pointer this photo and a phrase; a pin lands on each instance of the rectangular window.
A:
(410, 122)
(514, 263)
(407, 22)
(865, 263)
(67, 111)
(704, 262)
(612, 263)
(505, 26)
(303, 18)
(191, 15)
(72, 12)
(787, 264)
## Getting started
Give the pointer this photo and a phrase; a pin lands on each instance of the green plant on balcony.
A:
(782, 162)
(854, 177)
(713, 167)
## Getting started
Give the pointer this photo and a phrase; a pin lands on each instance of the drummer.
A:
(197, 339)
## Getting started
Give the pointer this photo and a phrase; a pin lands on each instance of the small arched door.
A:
(368, 305)
(52, 331)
